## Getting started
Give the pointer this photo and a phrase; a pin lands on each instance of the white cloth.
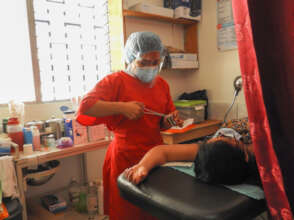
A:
(8, 177)
(228, 132)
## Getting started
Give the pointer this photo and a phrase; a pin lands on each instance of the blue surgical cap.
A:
(140, 43)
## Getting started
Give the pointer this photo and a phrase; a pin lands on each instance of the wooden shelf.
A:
(130, 13)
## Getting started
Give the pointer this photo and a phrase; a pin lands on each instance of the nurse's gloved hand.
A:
(172, 119)
(136, 174)
(175, 115)
(132, 110)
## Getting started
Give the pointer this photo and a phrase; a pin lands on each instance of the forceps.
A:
(170, 118)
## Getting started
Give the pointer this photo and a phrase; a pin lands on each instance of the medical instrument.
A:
(169, 118)
(237, 87)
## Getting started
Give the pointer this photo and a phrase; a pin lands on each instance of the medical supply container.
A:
(36, 138)
(92, 201)
(194, 109)
(14, 131)
(153, 9)
(74, 192)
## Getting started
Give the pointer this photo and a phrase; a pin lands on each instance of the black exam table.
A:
(169, 194)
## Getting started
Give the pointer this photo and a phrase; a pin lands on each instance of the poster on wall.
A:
(226, 36)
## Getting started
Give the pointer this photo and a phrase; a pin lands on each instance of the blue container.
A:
(28, 135)
(68, 128)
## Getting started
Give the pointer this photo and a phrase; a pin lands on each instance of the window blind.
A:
(73, 48)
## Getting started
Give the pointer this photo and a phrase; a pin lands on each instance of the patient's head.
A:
(222, 160)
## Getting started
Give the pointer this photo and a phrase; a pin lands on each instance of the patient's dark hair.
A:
(221, 163)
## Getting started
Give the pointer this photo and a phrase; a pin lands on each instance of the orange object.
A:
(4, 214)
(175, 131)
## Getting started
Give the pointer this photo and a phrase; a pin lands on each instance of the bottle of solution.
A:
(99, 184)
(28, 136)
(14, 131)
(82, 204)
(74, 192)
(36, 138)
(92, 201)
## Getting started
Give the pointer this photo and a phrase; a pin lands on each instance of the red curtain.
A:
(265, 35)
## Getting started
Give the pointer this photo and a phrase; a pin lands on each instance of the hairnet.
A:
(139, 43)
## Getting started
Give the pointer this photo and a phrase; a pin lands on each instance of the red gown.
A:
(132, 138)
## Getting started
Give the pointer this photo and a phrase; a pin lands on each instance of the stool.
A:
(169, 194)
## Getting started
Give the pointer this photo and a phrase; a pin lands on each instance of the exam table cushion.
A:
(170, 194)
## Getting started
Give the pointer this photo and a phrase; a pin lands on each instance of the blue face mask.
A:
(146, 74)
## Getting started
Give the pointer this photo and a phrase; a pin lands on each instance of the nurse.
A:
(120, 101)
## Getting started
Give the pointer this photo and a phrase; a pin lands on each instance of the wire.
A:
(229, 109)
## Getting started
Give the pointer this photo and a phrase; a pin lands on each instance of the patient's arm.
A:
(158, 156)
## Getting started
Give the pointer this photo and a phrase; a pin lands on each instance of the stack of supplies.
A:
(54, 203)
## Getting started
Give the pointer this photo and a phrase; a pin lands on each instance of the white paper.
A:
(187, 122)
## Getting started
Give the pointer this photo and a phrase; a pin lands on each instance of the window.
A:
(70, 40)
(16, 71)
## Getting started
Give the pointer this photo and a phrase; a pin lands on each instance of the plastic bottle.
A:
(28, 135)
(82, 204)
(99, 184)
(74, 192)
(36, 138)
(92, 201)
(14, 130)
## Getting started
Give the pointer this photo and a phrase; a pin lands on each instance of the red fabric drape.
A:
(265, 35)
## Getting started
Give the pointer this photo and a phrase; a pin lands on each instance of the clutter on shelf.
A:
(184, 9)
(41, 135)
(178, 59)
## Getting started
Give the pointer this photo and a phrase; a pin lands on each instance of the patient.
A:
(224, 158)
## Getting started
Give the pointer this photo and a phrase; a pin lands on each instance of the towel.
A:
(252, 191)
(8, 177)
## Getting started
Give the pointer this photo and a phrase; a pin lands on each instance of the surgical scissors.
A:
(169, 118)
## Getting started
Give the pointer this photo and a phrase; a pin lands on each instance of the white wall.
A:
(217, 69)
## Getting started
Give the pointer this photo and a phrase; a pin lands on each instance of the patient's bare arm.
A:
(158, 156)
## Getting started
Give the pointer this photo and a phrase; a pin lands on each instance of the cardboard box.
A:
(184, 60)
(97, 132)
(129, 3)
(77, 132)
(184, 12)
(80, 133)
(152, 9)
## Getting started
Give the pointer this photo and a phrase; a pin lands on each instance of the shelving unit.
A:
(131, 13)
(190, 26)
(39, 157)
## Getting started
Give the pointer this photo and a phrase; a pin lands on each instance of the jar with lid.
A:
(50, 141)
(14, 131)
(56, 125)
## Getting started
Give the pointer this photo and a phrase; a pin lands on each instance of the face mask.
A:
(146, 74)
